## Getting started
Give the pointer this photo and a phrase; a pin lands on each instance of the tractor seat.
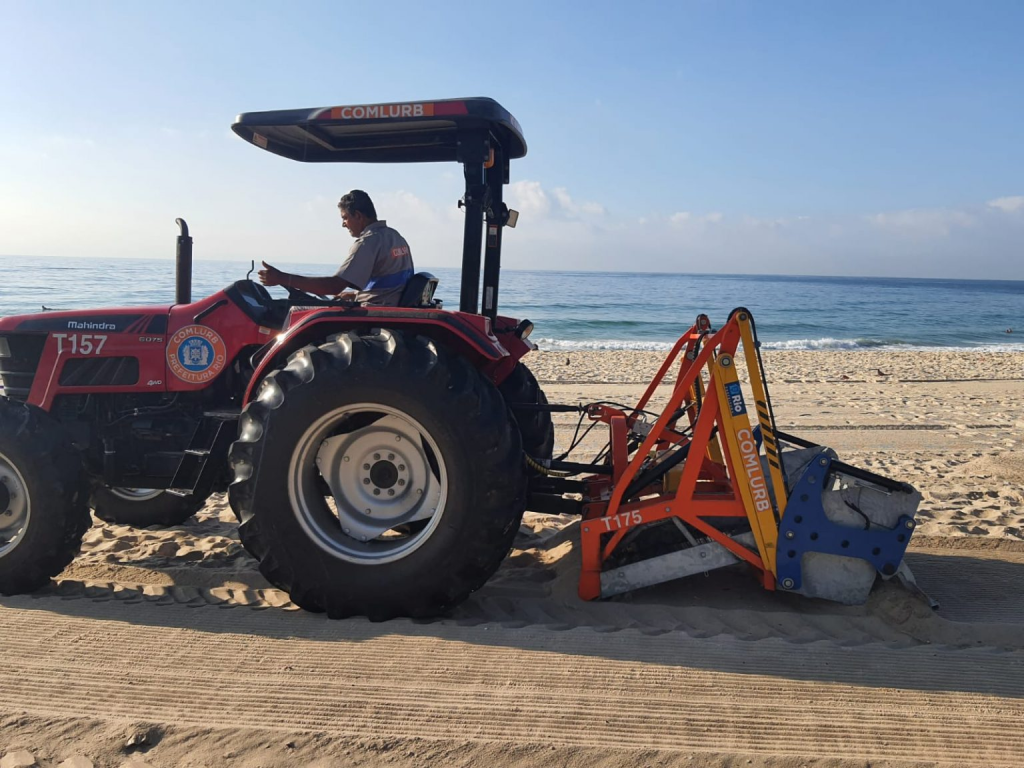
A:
(419, 292)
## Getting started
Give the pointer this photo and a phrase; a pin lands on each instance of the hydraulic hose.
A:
(534, 464)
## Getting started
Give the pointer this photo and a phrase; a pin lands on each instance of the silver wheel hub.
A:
(386, 478)
(15, 507)
(135, 494)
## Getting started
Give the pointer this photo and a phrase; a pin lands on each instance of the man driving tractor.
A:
(378, 266)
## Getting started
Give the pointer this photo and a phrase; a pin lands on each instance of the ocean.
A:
(609, 310)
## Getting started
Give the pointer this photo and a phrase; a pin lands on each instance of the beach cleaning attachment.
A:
(699, 485)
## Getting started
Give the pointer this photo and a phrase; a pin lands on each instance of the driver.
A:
(378, 266)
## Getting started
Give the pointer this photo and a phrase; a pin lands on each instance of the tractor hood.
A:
(401, 132)
(121, 320)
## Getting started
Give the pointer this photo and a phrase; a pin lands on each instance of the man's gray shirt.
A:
(379, 264)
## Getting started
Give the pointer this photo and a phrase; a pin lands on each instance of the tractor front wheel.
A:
(43, 498)
(378, 474)
(143, 507)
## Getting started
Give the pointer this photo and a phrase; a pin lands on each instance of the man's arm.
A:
(320, 286)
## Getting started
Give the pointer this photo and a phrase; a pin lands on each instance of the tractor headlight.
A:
(5, 348)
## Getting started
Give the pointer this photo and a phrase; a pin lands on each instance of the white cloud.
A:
(972, 241)
(923, 222)
(571, 208)
(533, 201)
(1008, 204)
(681, 218)
(779, 222)
(529, 198)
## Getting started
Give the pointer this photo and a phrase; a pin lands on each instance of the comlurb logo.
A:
(752, 464)
(379, 111)
(196, 354)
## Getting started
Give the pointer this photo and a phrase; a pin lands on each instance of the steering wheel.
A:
(308, 299)
(296, 295)
(259, 292)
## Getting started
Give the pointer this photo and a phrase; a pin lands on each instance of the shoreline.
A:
(547, 344)
(865, 365)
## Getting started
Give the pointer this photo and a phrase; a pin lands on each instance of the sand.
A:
(167, 648)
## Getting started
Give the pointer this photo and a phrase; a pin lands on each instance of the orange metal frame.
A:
(714, 483)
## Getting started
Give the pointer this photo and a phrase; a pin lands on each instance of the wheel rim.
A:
(386, 479)
(135, 494)
(15, 506)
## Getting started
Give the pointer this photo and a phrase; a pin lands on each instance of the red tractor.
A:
(371, 453)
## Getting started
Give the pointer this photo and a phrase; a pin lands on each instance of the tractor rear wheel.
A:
(43, 509)
(143, 507)
(378, 474)
(538, 432)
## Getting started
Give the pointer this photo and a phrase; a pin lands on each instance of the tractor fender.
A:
(469, 336)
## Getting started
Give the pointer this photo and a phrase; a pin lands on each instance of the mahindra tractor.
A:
(379, 459)
(372, 457)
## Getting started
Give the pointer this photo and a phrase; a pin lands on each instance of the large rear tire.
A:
(143, 507)
(43, 509)
(378, 474)
(538, 432)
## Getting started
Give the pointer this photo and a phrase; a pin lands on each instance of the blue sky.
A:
(866, 138)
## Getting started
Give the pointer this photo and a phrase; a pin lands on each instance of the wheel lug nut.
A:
(366, 481)
(401, 467)
(391, 457)
(366, 466)
(391, 491)
(376, 491)
(401, 482)
(376, 457)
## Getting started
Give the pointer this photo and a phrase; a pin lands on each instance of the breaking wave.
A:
(602, 344)
(830, 343)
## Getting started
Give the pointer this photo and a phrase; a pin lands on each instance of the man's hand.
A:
(271, 275)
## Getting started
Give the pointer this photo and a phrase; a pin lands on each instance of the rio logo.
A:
(196, 354)
(735, 398)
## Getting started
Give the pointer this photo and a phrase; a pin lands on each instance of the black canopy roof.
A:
(400, 132)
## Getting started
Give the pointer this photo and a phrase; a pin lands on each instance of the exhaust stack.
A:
(183, 265)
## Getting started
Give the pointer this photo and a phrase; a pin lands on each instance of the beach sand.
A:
(167, 647)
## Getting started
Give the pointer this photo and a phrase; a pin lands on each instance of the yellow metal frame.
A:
(771, 446)
(745, 459)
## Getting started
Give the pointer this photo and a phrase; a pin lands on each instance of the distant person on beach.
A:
(378, 266)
